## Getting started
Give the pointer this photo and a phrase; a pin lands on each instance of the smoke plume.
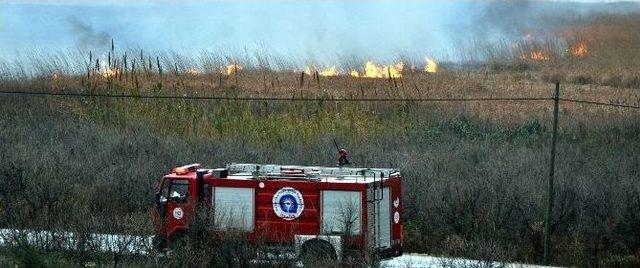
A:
(86, 36)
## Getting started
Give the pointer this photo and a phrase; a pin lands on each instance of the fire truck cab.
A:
(338, 208)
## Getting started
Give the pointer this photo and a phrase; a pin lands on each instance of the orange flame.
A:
(331, 71)
(370, 71)
(308, 71)
(373, 71)
(579, 50)
(431, 66)
(110, 72)
(232, 69)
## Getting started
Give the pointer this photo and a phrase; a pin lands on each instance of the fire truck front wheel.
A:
(159, 243)
(317, 252)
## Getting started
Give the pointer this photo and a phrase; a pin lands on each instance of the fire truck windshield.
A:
(179, 191)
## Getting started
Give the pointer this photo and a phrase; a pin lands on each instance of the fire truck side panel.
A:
(341, 212)
(315, 207)
(394, 217)
(234, 208)
(396, 213)
(276, 229)
(283, 229)
(385, 218)
(378, 220)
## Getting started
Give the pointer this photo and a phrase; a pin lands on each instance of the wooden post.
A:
(89, 66)
(126, 66)
(133, 71)
(301, 79)
(264, 80)
(235, 74)
(159, 66)
(550, 190)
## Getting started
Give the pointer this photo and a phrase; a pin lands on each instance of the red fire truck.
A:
(300, 207)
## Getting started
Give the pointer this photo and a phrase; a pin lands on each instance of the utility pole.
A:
(550, 190)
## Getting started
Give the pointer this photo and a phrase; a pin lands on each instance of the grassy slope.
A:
(475, 172)
(470, 183)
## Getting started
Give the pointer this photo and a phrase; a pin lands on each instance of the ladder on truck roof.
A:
(308, 172)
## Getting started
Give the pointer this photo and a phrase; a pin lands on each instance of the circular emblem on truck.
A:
(288, 203)
(178, 213)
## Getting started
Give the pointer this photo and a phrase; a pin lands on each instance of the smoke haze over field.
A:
(86, 36)
(319, 30)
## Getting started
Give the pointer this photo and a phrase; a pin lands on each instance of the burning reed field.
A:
(475, 171)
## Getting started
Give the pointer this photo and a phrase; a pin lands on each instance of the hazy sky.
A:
(302, 29)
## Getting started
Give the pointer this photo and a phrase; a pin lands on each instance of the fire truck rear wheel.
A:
(317, 253)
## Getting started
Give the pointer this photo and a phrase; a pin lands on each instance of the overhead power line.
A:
(600, 103)
(228, 98)
(274, 98)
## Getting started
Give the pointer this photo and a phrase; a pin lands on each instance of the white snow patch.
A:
(71, 241)
(426, 261)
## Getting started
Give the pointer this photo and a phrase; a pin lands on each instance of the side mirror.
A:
(160, 199)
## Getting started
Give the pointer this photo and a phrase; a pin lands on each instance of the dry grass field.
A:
(475, 170)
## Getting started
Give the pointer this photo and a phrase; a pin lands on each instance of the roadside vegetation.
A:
(475, 172)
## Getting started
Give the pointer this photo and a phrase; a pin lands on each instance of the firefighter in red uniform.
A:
(342, 158)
